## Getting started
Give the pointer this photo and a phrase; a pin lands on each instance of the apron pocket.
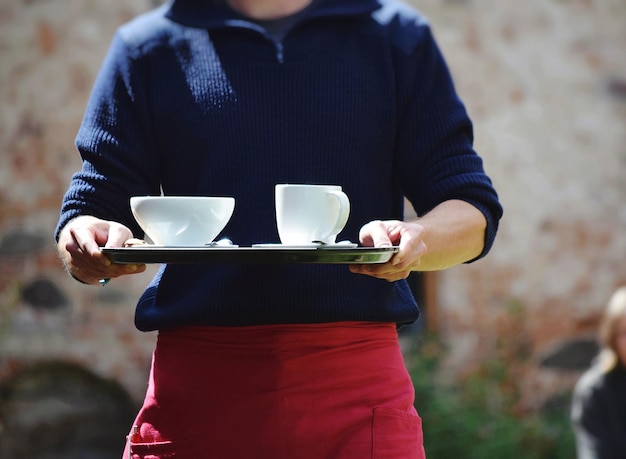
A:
(397, 434)
(184, 449)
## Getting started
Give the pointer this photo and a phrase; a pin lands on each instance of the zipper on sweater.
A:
(279, 48)
(280, 57)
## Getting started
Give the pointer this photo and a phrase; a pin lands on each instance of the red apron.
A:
(313, 391)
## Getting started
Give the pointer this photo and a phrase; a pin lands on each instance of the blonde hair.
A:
(614, 312)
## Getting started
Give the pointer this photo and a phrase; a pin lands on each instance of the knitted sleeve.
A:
(435, 159)
(115, 145)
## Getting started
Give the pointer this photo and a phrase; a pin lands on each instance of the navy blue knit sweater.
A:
(195, 100)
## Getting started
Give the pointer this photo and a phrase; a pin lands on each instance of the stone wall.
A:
(50, 52)
(544, 81)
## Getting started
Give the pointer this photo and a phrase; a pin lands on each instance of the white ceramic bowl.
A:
(182, 220)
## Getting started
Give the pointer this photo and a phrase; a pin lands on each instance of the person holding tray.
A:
(230, 98)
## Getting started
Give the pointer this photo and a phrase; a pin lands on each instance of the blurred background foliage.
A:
(481, 416)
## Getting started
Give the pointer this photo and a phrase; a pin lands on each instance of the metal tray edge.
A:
(249, 255)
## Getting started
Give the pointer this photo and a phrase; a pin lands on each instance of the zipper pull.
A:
(279, 52)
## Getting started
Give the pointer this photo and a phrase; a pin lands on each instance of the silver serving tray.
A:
(247, 255)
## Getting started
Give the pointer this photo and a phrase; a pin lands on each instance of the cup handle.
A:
(342, 216)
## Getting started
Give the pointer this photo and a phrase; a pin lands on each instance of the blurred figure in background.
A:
(599, 405)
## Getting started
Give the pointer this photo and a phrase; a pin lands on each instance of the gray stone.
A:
(617, 88)
(19, 242)
(113, 296)
(43, 294)
(62, 410)
(574, 355)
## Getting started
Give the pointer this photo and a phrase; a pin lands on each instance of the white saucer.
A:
(342, 245)
(183, 247)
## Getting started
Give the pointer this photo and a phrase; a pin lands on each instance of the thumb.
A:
(118, 234)
(375, 234)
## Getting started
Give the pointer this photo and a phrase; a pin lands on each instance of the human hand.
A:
(79, 248)
(408, 236)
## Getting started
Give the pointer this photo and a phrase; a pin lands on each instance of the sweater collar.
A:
(209, 14)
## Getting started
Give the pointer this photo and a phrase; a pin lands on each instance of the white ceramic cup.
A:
(309, 213)
(182, 220)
